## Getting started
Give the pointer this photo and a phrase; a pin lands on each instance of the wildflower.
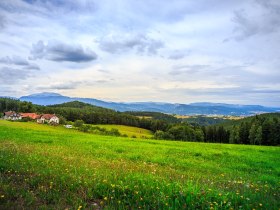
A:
(105, 198)
(222, 175)
(260, 204)
(2, 196)
(220, 194)
(80, 207)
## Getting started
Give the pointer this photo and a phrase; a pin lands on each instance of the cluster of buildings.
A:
(40, 118)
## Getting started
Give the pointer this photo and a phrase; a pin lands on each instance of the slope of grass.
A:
(44, 167)
(129, 130)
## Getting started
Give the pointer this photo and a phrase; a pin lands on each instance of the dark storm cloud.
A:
(58, 51)
(19, 61)
(141, 43)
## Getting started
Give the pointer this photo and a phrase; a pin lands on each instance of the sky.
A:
(174, 51)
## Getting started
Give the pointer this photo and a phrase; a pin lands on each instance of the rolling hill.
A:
(170, 108)
(50, 167)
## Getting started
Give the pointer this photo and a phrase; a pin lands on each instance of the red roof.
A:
(30, 115)
(9, 113)
(48, 116)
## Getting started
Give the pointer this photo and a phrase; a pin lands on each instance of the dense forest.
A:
(258, 130)
(204, 120)
(156, 115)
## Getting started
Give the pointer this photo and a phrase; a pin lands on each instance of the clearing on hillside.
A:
(129, 130)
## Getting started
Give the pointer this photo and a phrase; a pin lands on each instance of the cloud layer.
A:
(184, 51)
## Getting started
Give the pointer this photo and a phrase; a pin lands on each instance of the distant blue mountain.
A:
(201, 108)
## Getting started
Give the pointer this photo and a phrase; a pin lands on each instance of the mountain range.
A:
(201, 108)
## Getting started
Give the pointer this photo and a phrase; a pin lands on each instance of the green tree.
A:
(78, 123)
(234, 135)
(259, 134)
(252, 134)
(244, 133)
(26, 107)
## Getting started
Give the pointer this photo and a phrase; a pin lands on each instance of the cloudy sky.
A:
(142, 50)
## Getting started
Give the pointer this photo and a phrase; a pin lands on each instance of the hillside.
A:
(180, 109)
(53, 167)
(232, 123)
(129, 130)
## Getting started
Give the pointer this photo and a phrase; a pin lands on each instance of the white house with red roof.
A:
(32, 116)
(48, 118)
(11, 115)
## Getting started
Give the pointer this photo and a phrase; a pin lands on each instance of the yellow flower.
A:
(2, 196)
(105, 198)
(260, 204)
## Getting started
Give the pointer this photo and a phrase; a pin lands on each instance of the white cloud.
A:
(182, 51)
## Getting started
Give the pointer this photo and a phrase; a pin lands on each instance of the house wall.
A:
(54, 119)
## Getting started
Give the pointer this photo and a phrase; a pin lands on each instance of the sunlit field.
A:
(45, 167)
(129, 130)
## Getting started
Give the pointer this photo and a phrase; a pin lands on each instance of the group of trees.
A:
(183, 132)
(80, 125)
(90, 114)
(259, 130)
(8, 104)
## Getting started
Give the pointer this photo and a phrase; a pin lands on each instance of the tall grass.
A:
(44, 167)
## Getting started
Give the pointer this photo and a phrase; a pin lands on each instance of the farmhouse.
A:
(32, 116)
(11, 115)
(48, 118)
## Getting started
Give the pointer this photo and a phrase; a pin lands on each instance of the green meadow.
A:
(129, 130)
(45, 167)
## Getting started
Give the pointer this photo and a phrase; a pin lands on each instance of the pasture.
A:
(45, 167)
(129, 130)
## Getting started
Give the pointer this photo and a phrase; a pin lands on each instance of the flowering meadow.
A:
(46, 167)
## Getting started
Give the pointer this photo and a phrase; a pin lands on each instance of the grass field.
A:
(129, 130)
(44, 167)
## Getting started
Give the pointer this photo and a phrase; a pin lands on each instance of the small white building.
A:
(68, 126)
(48, 118)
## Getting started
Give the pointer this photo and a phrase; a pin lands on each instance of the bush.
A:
(78, 123)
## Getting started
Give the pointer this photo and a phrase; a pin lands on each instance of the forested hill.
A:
(156, 115)
(258, 130)
(261, 117)
(163, 107)
(261, 129)
(90, 114)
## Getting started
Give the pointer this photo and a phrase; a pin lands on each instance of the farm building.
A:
(32, 116)
(48, 118)
(11, 115)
